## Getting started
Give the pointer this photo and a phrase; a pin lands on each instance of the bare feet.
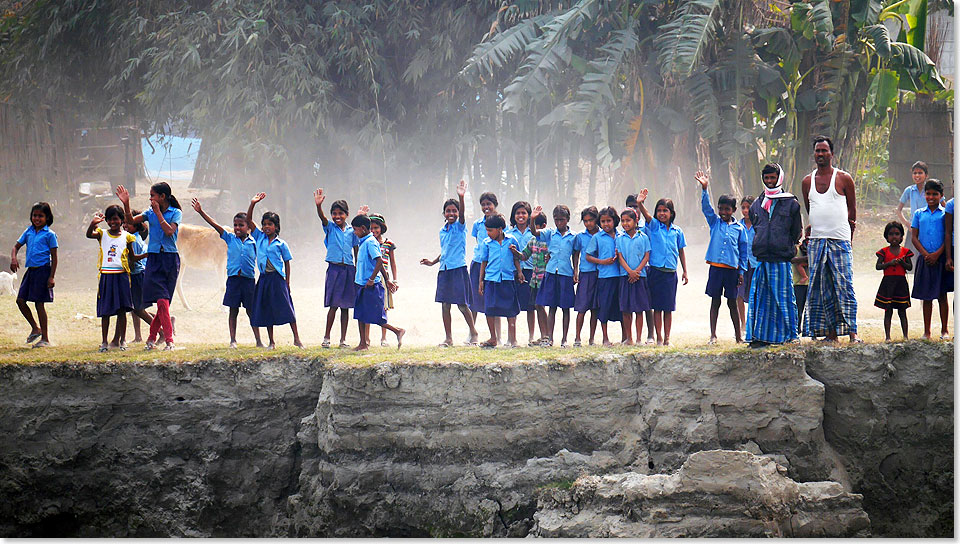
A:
(400, 334)
(299, 344)
(361, 347)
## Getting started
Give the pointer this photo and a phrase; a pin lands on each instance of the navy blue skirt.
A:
(608, 299)
(239, 292)
(663, 290)
(453, 286)
(500, 298)
(272, 304)
(722, 282)
(339, 289)
(476, 299)
(634, 297)
(586, 297)
(524, 296)
(114, 295)
(556, 291)
(33, 286)
(368, 306)
(160, 277)
(136, 291)
(930, 282)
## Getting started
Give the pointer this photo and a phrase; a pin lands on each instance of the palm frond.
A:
(703, 104)
(500, 49)
(683, 41)
(880, 37)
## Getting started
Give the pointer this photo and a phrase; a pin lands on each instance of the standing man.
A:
(772, 306)
(828, 194)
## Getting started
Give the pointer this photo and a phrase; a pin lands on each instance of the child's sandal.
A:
(325, 343)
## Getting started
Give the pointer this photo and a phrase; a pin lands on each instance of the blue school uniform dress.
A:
(453, 280)
(744, 290)
(368, 305)
(114, 295)
(339, 291)
(163, 262)
(500, 278)
(241, 261)
(585, 298)
(272, 304)
(33, 286)
(634, 297)
(479, 232)
(556, 290)
(726, 253)
(930, 281)
(603, 246)
(665, 245)
(136, 273)
(948, 282)
(524, 293)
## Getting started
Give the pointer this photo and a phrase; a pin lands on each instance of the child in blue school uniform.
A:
(931, 280)
(139, 311)
(339, 290)
(633, 254)
(602, 251)
(726, 255)
(453, 280)
(488, 205)
(743, 291)
(41, 264)
(272, 304)
(585, 274)
(114, 297)
(556, 290)
(666, 250)
(501, 273)
(368, 308)
(241, 262)
(520, 230)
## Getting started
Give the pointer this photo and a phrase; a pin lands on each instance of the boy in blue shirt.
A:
(556, 290)
(726, 255)
(369, 308)
(501, 273)
(241, 261)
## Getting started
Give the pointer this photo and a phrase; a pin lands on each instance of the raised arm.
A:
(253, 202)
(124, 197)
(97, 219)
(462, 190)
(318, 198)
(641, 198)
(533, 224)
(199, 209)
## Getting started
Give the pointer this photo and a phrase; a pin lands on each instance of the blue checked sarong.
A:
(772, 310)
(831, 302)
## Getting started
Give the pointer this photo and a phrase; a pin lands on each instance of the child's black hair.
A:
(631, 201)
(668, 204)
(893, 225)
(113, 210)
(341, 205)
(516, 206)
(272, 217)
(360, 221)
(747, 200)
(45, 208)
(491, 197)
(921, 165)
(822, 138)
(561, 210)
(241, 216)
(727, 200)
(495, 222)
(540, 220)
(142, 228)
(631, 213)
(933, 184)
(611, 212)
(376, 219)
(163, 188)
(770, 168)
(449, 202)
(589, 211)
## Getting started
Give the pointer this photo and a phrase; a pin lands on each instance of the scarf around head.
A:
(777, 192)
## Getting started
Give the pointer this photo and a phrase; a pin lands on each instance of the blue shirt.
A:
(479, 232)
(560, 247)
(159, 240)
(665, 244)
(580, 243)
(751, 233)
(930, 227)
(453, 245)
(604, 246)
(367, 258)
(949, 209)
(241, 254)
(499, 259)
(276, 251)
(915, 198)
(339, 243)
(137, 267)
(39, 243)
(523, 238)
(633, 248)
(728, 242)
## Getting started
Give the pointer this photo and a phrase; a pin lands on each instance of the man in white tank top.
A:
(831, 202)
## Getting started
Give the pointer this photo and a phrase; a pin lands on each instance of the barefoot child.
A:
(666, 249)
(633, 252)
(556, 291)
(501, 273)
(726, 255)
(114, 297)
(743, 291)
(368, 308)
(139, 312)
(894, 293)
(272, 304)
(41, 263)
(520, 231)
(453, 280)
(585, 274)
(339, 290)
(378, 228)
(488, 205)
(537, 253)
(241, 262)
(931, 281)
(602, 251)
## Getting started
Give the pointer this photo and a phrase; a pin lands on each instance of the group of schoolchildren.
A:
(617, 269)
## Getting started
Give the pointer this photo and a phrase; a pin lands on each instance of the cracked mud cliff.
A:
(842, 441)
